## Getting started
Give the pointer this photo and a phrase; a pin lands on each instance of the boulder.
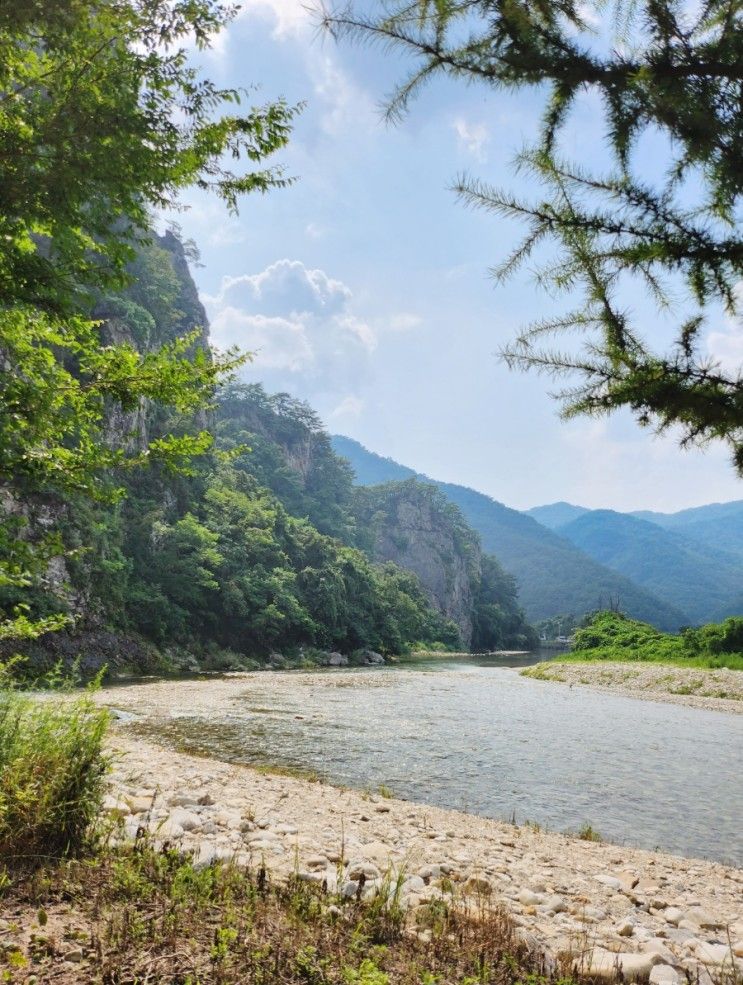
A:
(634, 967)
(337, 660)
(371, 657)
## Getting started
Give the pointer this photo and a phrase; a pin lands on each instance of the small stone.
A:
(703, 918)
(75, 955)
(316, 862)
(610, 881)
(359, 867)
(718, 954)
(413, 884)
(556, 904)
(286, 829)
(187, 819)
(625, 929)
(634, 967)
(529, 898)
(672, 915)
(663, 974)
(139, 805)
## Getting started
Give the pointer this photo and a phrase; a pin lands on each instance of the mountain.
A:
(718, 525)
(415, 526)
(556, 515)
(702, 581)
(553, 575)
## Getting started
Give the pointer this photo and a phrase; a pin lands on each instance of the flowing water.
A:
(478, 737)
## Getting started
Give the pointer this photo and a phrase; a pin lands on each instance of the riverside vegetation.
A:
(614, 636)
(700, 667)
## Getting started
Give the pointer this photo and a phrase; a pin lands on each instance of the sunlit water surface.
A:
(478, 737)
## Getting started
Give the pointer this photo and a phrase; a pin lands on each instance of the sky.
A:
(364, 288)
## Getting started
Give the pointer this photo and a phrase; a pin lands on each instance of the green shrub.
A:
(52, 771)
(613, 636)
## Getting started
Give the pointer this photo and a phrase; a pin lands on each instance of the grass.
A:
(588, 833)
(52, 771)
(136, 913)
(651, 654)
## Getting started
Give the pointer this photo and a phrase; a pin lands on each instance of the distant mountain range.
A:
(555, 575)
(692, 559)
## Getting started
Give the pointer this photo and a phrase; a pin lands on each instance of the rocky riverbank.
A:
(652, 915)
(717, 690)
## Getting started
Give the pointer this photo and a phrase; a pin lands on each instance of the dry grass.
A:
(137, 914)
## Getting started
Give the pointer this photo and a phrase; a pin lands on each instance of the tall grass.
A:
(52, 770)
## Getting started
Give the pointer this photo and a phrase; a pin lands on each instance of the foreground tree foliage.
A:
(662, 72)
(102, 119)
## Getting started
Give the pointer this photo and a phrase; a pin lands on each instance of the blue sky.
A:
(364, 287)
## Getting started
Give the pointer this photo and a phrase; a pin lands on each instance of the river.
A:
(476, 736)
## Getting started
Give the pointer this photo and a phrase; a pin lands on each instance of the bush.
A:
(613, 636)
(52, 771)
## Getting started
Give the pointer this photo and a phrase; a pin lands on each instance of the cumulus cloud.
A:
(302, 327)
(286, 286)
(472, 137)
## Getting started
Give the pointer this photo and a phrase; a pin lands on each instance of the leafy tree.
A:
(662, 70)
(102, 119)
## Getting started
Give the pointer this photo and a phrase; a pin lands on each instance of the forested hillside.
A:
(700, 580)
(718, 525)
(553, 576)
(253, 549)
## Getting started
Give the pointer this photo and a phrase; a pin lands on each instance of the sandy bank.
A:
(716, 690)
(649, 908)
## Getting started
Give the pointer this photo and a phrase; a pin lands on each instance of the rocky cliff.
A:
(412, 525)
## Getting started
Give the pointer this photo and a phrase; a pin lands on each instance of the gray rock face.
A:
(418, 530)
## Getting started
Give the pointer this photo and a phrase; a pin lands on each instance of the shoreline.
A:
(710, 689)
(567, 896)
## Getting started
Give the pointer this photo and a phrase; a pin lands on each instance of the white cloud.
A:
(290, 17)
(472, 137)
(285, 286)
(278, 343)
(301, 325)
